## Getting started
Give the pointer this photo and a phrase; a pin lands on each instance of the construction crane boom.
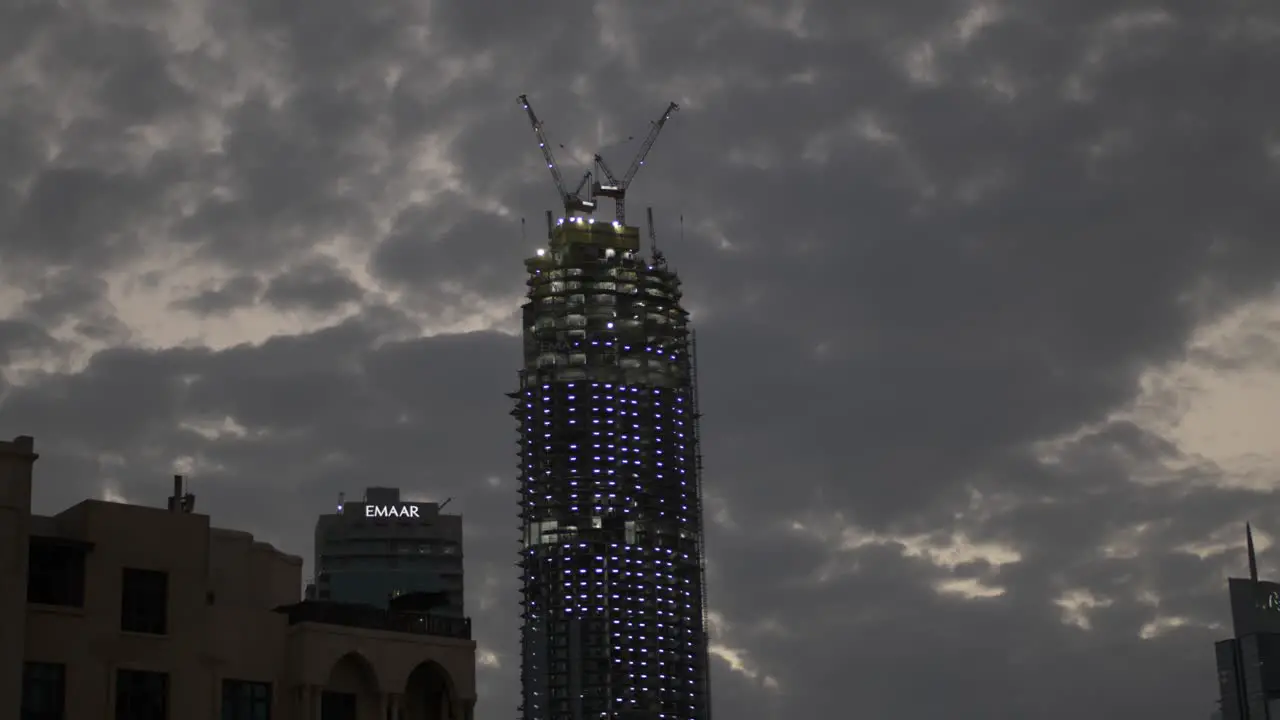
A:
(617, 188)
(572, 201)
(648, 144)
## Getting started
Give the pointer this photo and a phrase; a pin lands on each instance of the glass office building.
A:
(1249, 663)
(380, 548)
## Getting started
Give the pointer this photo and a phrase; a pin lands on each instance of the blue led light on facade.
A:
(612, 536)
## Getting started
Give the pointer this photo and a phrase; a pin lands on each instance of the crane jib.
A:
(616, 189)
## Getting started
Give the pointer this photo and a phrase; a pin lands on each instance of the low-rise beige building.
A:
(110, 610)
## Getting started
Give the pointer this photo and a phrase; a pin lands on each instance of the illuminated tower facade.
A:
(614, 608)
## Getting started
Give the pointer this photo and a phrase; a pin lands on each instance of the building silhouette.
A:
(380, 548)
(1249, 662)
(124, 612)
(613, 608)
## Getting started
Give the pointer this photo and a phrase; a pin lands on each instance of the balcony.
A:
(372, 618)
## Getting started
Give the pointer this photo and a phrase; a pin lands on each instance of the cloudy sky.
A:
(986, 295)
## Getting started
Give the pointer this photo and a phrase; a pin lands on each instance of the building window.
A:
(44, 691)
(144, 601)
(142, 695)
(55, 574)
(338, 705)
(243, 700)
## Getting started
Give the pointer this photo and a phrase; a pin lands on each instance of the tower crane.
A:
(658, 259)
(573, 201)
(617, 188)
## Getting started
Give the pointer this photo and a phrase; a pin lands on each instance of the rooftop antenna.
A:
(181, 502)
(342, 500)
(446, 502)
(1253, 556)
(573, 201)
(551, 226)
(617, 188)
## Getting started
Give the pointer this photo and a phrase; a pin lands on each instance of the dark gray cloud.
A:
(920, 240)
(474, 251)
(316, 285)
(238, 292)
(17, 336)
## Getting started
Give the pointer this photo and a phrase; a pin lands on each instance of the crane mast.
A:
(658, 258)
(573, 201)
(617, 188)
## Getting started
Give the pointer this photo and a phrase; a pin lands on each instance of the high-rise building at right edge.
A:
(1249, 662)
(614, 607)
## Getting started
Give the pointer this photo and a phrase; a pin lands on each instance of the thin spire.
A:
(1253, 556)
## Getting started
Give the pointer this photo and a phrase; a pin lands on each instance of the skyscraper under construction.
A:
(614, 612)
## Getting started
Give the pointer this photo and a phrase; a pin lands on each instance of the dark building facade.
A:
(1249, 663)
(614, 612)
(380, 548)
(115, 611)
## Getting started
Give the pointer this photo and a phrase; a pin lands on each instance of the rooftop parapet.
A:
(372, 618)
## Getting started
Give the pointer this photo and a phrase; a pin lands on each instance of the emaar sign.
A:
(394, 511)
(1255, 606)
